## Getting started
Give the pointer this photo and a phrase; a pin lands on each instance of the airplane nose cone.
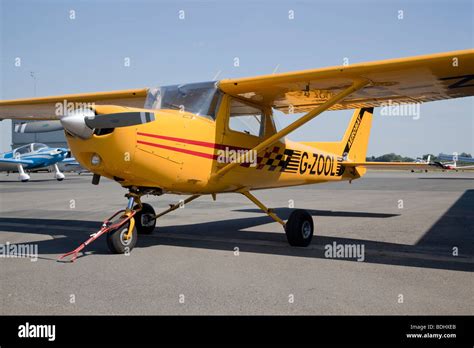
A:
(74, 123)
(59, 151)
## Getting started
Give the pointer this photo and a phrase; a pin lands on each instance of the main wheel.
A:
(145, 219)
(117, 242)
(299, 228)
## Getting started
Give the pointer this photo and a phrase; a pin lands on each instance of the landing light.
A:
(95, 159)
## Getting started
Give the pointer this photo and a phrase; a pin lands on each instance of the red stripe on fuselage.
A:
(193, 142)
(189, 152)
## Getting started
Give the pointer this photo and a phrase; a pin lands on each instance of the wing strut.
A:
(358, 84)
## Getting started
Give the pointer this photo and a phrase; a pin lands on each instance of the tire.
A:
(116, 242)
(142, 224)
(299, 228)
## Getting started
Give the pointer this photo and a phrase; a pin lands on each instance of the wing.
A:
(51, 108)
(11, 163)
(391, 165)
(407, 80)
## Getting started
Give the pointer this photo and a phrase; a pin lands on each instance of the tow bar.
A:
(107, 226)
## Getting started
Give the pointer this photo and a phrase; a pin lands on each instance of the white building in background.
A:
(5, 135)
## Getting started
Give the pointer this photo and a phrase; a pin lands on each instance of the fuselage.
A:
(180, 152)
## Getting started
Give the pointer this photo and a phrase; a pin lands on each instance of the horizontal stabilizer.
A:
(391, 165)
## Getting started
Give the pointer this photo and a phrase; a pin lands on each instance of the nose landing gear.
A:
(123, 239)
(120, 229)
(57, 173)
(22, 175)
(123, 227)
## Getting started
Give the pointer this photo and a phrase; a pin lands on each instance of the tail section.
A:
(356, 138)
(353, 145)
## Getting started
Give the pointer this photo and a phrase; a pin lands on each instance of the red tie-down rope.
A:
(107, 226)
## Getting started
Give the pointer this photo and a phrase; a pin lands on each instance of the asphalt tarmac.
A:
(413, 234)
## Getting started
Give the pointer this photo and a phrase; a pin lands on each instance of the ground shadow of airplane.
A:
(433, 250)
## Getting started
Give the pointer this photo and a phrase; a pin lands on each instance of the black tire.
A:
(299, 228)
(116, 241)
(143, 223)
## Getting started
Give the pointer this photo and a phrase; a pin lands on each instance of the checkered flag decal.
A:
(279, 159)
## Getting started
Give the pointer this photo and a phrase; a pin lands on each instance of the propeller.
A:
(38, 127)
(82, 123)
(121, 119)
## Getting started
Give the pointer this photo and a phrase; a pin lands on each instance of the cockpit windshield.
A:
(37, 146)
(198, 98)
(28, 148)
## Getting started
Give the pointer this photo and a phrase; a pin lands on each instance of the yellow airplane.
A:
(217, 137)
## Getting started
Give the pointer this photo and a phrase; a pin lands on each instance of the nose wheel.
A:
(57, 174)
(123, 239)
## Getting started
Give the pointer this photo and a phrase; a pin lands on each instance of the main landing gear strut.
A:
(123, 227)
(299, 228)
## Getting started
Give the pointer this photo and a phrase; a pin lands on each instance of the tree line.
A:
(393, 157)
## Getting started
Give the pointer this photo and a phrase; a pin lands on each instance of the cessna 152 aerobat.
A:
(218, 137)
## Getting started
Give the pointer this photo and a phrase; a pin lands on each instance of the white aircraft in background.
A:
(452, 162)
(422, 161)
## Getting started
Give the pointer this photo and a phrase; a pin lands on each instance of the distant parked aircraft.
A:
(452, 162)
(33, 156)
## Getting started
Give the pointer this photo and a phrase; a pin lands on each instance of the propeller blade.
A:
(121, 119)
(38, 127)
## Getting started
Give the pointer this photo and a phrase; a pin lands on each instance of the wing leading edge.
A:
(52, 108)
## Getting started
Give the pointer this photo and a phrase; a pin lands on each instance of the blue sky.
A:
(87, 53)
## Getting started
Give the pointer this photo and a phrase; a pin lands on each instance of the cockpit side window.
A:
(246, 118)
(22, 150)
